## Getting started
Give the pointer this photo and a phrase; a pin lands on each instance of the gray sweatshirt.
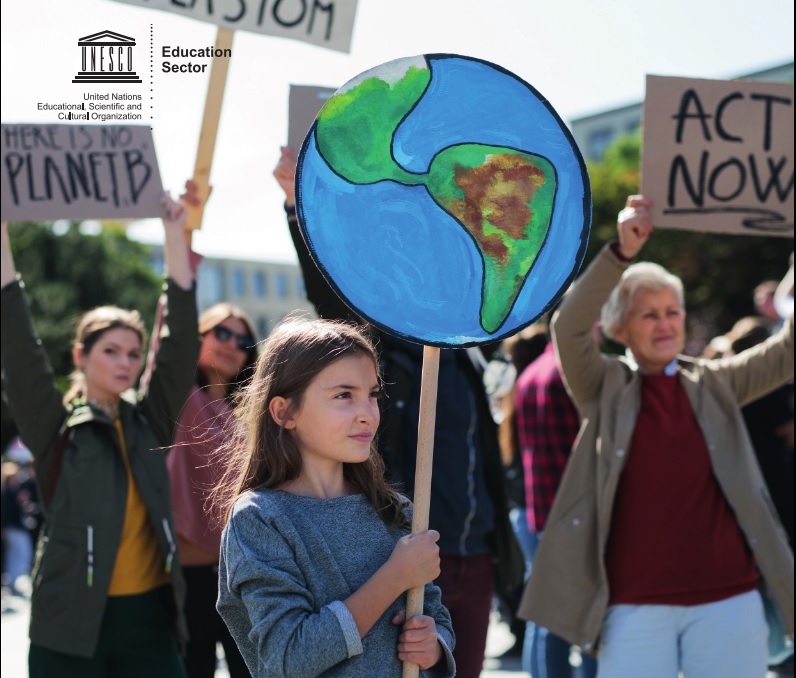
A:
(287, 563)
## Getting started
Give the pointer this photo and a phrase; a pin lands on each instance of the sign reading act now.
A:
(72, 171)
(718, 155)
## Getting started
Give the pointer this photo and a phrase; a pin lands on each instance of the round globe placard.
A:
(444, 199)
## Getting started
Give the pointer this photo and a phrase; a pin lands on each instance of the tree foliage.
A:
(719, 271)
(68, 274)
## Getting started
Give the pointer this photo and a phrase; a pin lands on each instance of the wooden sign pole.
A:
(425, 457)
(207, 136)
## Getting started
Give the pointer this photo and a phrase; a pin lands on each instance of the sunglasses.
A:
(243, 341)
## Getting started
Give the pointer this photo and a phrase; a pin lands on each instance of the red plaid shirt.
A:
(547, 424)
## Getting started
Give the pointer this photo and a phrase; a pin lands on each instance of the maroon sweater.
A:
(674, 538)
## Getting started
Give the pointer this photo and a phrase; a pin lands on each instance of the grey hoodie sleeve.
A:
(263, 589)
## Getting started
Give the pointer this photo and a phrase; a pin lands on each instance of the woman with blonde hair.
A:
(107, 584)
(662, 530)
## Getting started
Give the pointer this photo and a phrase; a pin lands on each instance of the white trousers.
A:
(726, 639)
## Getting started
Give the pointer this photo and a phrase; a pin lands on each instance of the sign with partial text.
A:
(717, 155)
(304, 103)
(71, 171)
(325, 23)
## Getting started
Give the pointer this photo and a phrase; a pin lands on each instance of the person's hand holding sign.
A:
(634, 226)
(191, 196)
(418, 642)
(175, 213)
(415, 559)
(8, 272)
(405, 166)
(178, 266)
(285, 174)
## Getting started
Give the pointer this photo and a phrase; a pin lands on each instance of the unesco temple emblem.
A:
(106, 57)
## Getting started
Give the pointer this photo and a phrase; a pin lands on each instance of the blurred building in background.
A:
(596, 132)
(267, 291)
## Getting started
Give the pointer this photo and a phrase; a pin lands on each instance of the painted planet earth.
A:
(444, 199)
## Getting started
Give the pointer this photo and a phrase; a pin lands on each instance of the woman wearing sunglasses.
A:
(226, 360)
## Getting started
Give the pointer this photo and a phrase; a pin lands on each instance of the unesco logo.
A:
(106, 57)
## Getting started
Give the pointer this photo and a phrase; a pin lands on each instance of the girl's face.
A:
(339, 414)
(224, 349)
(112, 365)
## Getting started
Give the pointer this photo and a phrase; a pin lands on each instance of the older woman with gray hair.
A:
(663, 533)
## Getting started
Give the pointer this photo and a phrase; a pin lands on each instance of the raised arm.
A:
(634, 226)
(8, 272)
(176, 251)
(783, 297)
(285, 174)
(191, 197)
(579, 356)
(29, 382)
(319, 292)
(168, 383)
(760, 369)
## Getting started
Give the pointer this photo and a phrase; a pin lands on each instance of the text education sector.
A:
(191, 52)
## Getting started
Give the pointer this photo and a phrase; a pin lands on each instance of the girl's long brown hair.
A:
(260, 453)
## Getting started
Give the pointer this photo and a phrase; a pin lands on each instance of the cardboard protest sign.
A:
(444, 199)
(327, 24)
(304, 102)
(718, 155)
(73, 171)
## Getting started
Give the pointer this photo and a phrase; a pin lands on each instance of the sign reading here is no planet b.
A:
(52, 172)
(718, 155)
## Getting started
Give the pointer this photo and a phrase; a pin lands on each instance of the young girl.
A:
(107, 585)
(316, 554)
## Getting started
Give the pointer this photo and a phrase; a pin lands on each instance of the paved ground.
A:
(14, 645)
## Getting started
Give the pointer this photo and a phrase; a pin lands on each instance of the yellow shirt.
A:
(139, 564)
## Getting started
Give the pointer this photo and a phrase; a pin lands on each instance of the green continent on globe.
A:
(504, 198)
(356, 127)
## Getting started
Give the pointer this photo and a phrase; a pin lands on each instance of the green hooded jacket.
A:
(85, 513)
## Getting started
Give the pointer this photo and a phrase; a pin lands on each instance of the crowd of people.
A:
(635, 508)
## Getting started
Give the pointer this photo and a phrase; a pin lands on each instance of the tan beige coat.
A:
(568, 589)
